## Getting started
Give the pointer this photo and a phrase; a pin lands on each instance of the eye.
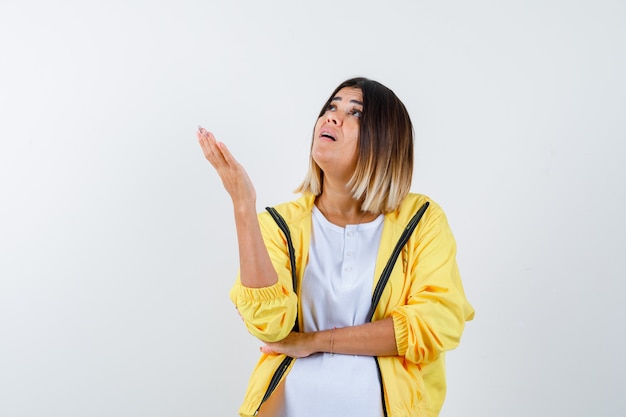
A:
(331, 107)
(356, 113)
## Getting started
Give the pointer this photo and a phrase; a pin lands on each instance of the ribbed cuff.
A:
(401, 330)
(273, 292)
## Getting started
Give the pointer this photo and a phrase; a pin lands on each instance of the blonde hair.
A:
(384, 170)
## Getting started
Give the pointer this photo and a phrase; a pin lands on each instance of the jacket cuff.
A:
(401, 331)
(249, 294)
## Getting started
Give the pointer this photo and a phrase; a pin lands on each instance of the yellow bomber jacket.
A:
(424, 296)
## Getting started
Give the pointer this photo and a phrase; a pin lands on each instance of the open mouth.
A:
(328, 136)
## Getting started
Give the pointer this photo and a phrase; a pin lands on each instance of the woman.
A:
(355, 204)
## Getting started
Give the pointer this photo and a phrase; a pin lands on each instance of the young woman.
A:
(325, 353)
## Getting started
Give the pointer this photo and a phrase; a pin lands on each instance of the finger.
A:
(228, 157)
(267, 350)
(210, 149)
(221, 151)
(203, 140)
(205, 135)
(200, 132)
(211, 145)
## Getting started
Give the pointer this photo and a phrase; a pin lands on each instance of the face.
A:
(336, 134)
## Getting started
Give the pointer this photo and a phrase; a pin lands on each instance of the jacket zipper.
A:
(384, 276)
(382, 283)
(280, 371)
(382, 387)
(284, 365)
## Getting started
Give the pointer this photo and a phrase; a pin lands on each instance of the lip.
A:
(330, 132)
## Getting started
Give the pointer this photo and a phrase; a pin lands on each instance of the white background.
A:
(117, 245)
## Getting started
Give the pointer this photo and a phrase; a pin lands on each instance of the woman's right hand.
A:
(234, 177)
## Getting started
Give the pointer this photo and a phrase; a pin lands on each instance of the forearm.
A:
(255, 267)
(370, 339)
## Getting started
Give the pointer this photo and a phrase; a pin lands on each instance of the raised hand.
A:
(234, 177)
(255, 266)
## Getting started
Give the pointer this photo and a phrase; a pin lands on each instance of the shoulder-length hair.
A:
(384, 167)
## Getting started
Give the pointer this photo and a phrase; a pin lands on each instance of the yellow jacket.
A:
(424, 296)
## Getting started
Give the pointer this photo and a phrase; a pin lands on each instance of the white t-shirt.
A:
(336, 291)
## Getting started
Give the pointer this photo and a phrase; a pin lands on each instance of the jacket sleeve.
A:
(434, 316)
(269, 313)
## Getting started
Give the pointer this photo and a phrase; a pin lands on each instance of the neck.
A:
(342, 209)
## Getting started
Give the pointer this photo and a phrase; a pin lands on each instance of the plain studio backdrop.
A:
(117, 241)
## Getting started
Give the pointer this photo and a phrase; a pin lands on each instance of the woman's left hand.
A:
(296, 345)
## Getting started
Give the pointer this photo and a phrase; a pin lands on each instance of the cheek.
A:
(352, 154)
(355, 129)
(354, 147)
(352, 138)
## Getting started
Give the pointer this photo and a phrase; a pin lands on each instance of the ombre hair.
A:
(384, 167)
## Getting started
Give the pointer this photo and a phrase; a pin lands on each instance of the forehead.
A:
(349, 94)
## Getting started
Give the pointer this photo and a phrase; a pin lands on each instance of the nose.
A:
(334, 118)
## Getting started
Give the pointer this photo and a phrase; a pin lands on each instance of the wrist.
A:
(244, 208)
(324, 341)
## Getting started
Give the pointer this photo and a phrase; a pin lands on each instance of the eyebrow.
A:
(337, 98)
